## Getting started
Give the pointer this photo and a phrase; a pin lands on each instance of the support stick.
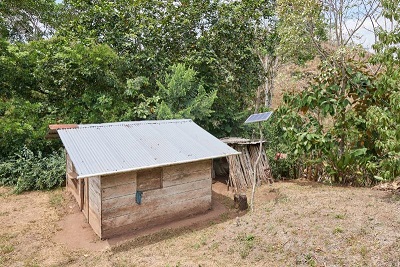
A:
(255, 169)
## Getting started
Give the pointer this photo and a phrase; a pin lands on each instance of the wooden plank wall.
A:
(74, 189)
(94, 190)
(149, 179)
(186, 190)
(118, 192)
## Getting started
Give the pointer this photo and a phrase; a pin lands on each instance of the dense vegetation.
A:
(212, 61)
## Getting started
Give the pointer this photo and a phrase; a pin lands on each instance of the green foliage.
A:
(184, 97)
(26, 20)
(276, 146)
(383, 116)
(215, 38)
(30, 171)
(383, 123)
(246, 244)
(327, 123)
(64, 81)
(22, 124)
(301, 29)
(343, 128)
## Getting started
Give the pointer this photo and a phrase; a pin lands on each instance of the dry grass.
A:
(303, 224)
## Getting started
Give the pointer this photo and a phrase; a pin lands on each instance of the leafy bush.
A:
(281, 161)
(340, 128)
(27, 171)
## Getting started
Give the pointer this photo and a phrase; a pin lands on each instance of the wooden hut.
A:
(239, 168)
(131, 175)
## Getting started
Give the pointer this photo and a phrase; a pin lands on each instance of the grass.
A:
(340, 216)
(5, 246)
(363, 251)
(338, 230)
(311, 260)
(246, 244)
(56, 198)
(5, 249)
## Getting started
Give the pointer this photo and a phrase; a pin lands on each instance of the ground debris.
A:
(389, 186)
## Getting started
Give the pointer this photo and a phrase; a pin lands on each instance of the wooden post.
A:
(255, 169)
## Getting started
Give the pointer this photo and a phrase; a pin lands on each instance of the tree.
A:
(215, 38)
(64, 81)
(383, 117)
(184, 97)
(26, 20)
(333, 137)
(319, 129)
(301, 29)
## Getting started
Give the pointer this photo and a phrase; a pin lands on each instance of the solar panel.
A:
(259, 117)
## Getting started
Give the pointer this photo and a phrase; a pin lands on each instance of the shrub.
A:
(284, 167)
(30, 171)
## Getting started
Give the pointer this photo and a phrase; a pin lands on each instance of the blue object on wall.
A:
(139, 197)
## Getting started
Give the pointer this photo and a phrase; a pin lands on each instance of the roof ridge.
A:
(125, 123)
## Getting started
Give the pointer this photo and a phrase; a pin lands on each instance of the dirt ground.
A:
(294, 224)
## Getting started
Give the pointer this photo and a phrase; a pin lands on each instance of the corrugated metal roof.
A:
(98, 149)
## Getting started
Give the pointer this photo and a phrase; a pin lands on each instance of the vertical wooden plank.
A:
(66, 169)
(86, 197)
(94, 204)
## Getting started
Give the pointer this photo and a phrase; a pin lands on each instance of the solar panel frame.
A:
(259, 117)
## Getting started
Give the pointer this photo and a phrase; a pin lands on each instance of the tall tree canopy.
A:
(215, 38)
(26, 20)
(97, 61)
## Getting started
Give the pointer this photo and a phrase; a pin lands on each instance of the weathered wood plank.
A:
(168, 212)
(72, 175)
(117, 202)
(181, 178)
(94, 184)
(118, 179)
(118, 191)
(140, 224)
(171, 171)
(95, 200)
(94, 191)
(94, 207)
(70, 166)
(169, 191)
(149, 179)
(95, 222)
(162, 200)
(74, 184)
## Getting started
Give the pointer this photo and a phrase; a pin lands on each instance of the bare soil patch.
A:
(294, 224)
